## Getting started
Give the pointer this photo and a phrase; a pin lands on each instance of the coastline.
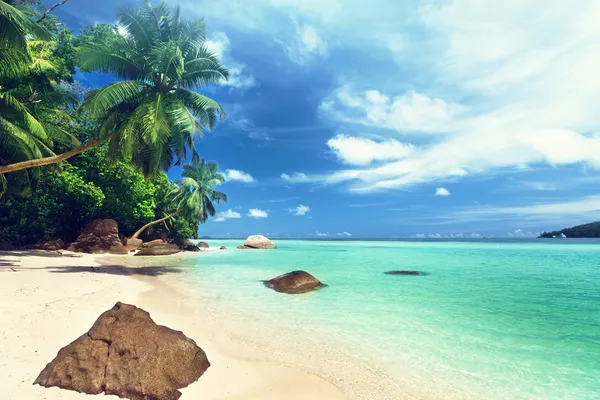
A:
(50, 299)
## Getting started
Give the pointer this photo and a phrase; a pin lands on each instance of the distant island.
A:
(591, 230)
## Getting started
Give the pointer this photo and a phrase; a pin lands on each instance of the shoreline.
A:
(50, 299)
(252, 340)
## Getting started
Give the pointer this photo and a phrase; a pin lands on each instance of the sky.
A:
(398, 118)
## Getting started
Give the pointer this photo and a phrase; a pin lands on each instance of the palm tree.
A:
(152, 116)
(195, 194)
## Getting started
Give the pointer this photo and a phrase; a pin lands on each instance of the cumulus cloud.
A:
(257, 213)
(322, 234)
(442, 192)
(225, 215)
(345, 234)
(361, 151)
(300, 210)
(237, 175)
(219, 45)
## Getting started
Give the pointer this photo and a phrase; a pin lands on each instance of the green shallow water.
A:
(496, 320)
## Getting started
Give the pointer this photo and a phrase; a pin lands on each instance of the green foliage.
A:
(129, 198)
(60, 205)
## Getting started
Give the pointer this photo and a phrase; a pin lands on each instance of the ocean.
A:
(490, 319)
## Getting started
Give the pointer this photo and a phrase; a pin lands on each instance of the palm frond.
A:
(102, 58)
(113, 94)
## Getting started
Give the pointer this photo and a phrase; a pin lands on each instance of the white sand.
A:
(48, 300)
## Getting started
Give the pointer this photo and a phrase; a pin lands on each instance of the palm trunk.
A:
(158, 221)
(38, 162)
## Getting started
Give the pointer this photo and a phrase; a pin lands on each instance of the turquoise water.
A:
(496, 320)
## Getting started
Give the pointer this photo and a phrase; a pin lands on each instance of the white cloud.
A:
(296, 177)
(409, 112)
(442, 192)
(522, 234)
(361, 151)
(219, 45)
(225, 215)
(300, 210)
(557, 214)
(257, 213)
(322, 234)
(237, 175)
(346, 234)
(307, 44)
(507, 94)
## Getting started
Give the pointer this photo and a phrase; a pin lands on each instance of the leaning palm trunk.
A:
(148, 225)
(38, 162)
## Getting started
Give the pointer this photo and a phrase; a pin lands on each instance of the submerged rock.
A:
(258, 242)
(294, 282)
(222, 248)
(99, 236)
(54, 244)
(404, 272)
(127, 354)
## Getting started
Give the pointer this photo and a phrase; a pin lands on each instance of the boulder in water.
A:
(127, 354)
(222, 248)
(258, 242)
(294, 282)
(99, 236)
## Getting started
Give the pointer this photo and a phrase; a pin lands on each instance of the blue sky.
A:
(398, 118)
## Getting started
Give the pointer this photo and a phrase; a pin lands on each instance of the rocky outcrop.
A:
(258, 242)
(404, 272)
(188, 245)
(127, 354)
(157, 242)
(159, 249)
(294, 282)
(99, 236)
(133, 244)
(203, 245)
(222, 248)
(54, 244)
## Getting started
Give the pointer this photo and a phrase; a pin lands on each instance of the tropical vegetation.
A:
(69, 154)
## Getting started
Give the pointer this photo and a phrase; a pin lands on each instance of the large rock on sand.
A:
(294, 282)
(258, 242)
(127, 354)
(160, 249)
(99, 236)
(157, 242)
(54, 244)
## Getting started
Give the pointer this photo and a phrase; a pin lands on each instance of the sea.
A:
(486, 319)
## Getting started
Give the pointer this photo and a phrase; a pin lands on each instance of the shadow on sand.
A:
(117, 270)
(106, 269)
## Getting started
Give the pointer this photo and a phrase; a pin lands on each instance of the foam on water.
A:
(513, 320)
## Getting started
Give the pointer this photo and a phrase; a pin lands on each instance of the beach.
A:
(48, 300)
